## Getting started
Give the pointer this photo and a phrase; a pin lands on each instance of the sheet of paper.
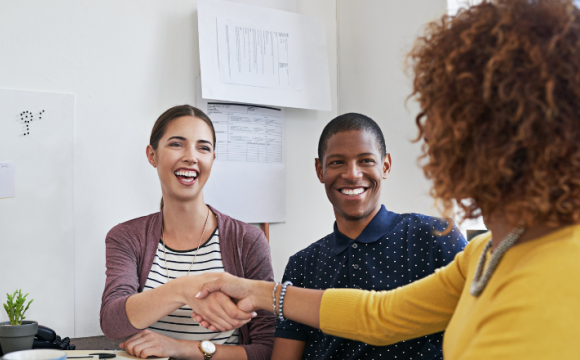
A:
(248, 178)
(253, 55)
(264, 56)
(245, 133)
(7, 179)
(36, 226)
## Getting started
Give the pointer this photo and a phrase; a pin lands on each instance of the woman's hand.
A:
(229, 285)
(149, 343)
(252, 295)
(218, 310)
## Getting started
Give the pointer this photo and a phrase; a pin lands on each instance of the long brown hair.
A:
(171, 114)
(499, 90)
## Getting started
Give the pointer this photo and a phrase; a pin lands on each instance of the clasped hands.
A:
(220, 302)
(234, 296)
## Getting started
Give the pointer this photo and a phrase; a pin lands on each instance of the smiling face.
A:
(183, 158)
(351, 170)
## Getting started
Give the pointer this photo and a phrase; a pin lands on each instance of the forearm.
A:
(378, 318)
(287, 349)
(145, 308)
(387, 317)
(301, 305)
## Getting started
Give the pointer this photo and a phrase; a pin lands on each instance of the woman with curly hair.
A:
(499, 89)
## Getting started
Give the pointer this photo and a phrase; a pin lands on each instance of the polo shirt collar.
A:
(379, 226)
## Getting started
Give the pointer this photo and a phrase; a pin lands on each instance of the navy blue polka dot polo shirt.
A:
(392, 251)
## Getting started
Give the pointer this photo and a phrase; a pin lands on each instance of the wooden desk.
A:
(96, 342)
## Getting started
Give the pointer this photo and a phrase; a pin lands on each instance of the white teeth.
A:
(352, 191)
(192, 174)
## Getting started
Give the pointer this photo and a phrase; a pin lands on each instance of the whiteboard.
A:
(36, 226)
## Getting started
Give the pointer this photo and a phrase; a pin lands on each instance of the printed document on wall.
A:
(253, 56)
(7, 179)
(265, 56)
(248, 178)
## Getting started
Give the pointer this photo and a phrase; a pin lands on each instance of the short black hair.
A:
(351, 122)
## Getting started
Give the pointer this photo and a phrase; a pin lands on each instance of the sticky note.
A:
(7, 179)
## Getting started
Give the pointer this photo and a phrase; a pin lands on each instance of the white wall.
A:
(374, 38)
(125, 62)
(309, 214)
(454, 5)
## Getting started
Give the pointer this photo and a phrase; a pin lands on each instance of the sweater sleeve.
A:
(387, 317)
(258, 266)
(122, 282)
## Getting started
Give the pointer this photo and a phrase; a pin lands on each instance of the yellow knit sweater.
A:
(530, 309)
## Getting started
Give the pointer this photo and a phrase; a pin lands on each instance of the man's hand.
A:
(149, 343)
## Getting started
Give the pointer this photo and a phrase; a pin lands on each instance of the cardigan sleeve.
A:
(122, 282)
(387, 317)
(258, 266)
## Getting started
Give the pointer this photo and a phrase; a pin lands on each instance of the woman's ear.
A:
(151, 156)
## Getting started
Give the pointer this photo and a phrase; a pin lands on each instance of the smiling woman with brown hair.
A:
(157, 263)
(499, 89)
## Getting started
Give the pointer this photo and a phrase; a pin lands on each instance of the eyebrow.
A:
(205, 142)
(184, 139)
(361, 154)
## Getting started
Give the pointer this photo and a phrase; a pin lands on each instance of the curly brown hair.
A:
(499, 89)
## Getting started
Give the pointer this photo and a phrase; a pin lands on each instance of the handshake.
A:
(220, 302)
(225, 302)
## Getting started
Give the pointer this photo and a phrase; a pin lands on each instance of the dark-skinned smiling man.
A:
(370, 248)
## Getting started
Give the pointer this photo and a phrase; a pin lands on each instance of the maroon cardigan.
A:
(131, 247)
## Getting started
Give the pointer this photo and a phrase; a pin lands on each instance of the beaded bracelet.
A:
(274, 298)
(281, 300)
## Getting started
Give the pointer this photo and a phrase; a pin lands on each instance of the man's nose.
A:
(352, 172)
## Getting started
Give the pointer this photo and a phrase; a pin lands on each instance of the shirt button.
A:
(355, 266)
(354, 246)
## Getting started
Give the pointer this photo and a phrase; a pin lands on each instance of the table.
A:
(121, 355)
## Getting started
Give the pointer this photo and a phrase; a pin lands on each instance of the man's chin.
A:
(355, 215)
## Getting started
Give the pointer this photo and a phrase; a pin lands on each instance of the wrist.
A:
(188, 349)
(262, 295)
(178, 290)
(186, 287)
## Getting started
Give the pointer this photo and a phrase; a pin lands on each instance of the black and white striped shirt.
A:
(179, 324)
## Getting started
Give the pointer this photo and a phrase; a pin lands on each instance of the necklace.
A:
(196, 250)
(480, 281)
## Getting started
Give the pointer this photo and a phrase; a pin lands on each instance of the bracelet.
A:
(274, 298)
(281, 301)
